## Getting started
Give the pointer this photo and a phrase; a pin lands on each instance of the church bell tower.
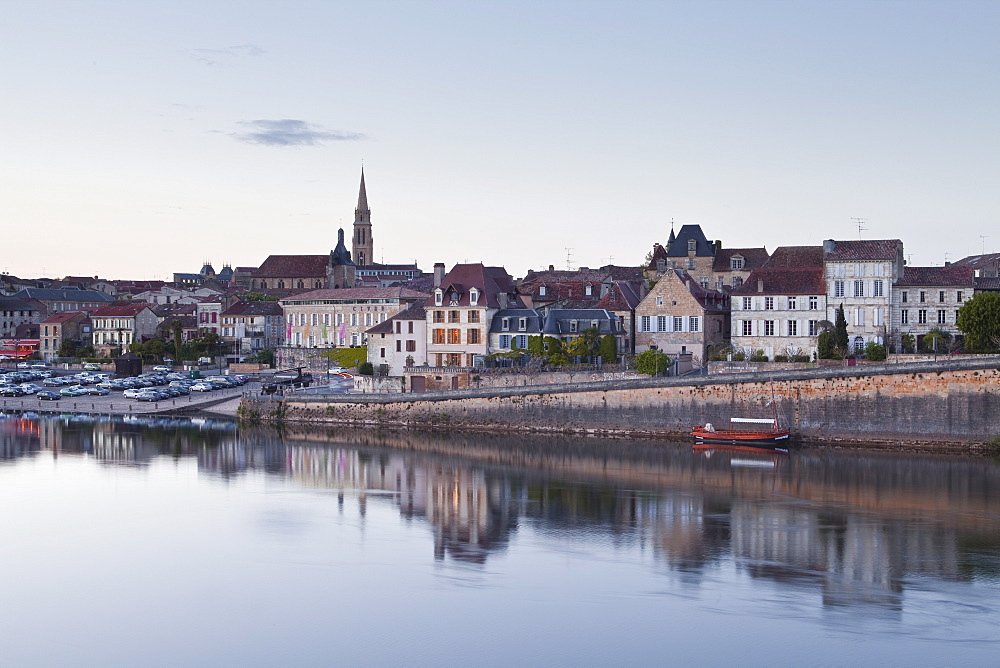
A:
(361, 246)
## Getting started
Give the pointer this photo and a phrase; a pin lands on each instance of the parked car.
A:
(163, 368)
(133, 392)
(90, 366)
(202, 387)
(97, 390)
(12, 391)
(48, 395)
(73, 391)
(30, 388)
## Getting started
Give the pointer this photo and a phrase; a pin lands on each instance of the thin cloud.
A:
(290, 132)
(214, 56)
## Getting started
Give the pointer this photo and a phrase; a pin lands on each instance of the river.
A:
(166, 541)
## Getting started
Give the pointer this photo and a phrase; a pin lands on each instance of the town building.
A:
(399, 342)
(928, 299)
(461, 310)
(781, 307)
(58, 300)
(121, 324)
(688, 250)
(340, 317)
(15, 311)
(61, 327)
(680, 316)
(732, 266)
(249, 327)
(510, 328)
(860, 276)
(986, 265)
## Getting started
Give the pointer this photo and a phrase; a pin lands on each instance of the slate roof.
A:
(792, 257)
(864, 249)
(557, 321)
(490, 281)
(165, 310)
(254, 308)
(534, 321)
(63, 294)
(187, 322)
(621, 296)
(121, 309)
(15, 304)
(988, 284)
(415, 312)
(293, 266)
(938, 276)
(752, 258)
(679, 247)
(783, 281)
(352, 294)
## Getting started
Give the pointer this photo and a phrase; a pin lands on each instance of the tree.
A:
(265, 356)
(840, 339)
(907, 343)
(535, 347)
(937, 340)
(366, 369)
(587, 345)
(979, 321)
(874, 352)
(652, 362)
(609, 349)
(175, 327)
(68, 348)
(826, 349)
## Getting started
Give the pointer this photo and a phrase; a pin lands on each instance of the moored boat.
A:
(709, 434)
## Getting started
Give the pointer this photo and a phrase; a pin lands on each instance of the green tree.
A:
(937, 340)
(840, 339)
(908, 343)
(68, 348)
(586, 345)
(979, 321)
(265, 356)
(535, 346)
(609, 349)
(175, 327)
(874, 352)
(652, 362)
(825, 347)
(366, 369)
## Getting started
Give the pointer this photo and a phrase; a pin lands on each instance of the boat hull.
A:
(735, 437)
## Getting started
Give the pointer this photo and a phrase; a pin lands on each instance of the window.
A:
(747, 303)
(437, 336)
(368, 319)
(659, 301)
(399, 327)
(678, 323)
(692, 245)
(438, 316)
(589, 290)
(326, 318)
(859, 270)
(942, 316)
(473, 316)
(703, 282)
(505, 324)
(521, 340)
(859, 288)
(813, 327)
(838, 288)
(859, 317)
(409, 327)
(768, 303)
(768, 328)
(315, 319)
(792, 303)
(661, 323)
(813, 303)
(541, 290)
(573, 326)
(454, 336)
(793, 328)
(644, 323)
(878, 317)
(690, 263)
(381, 352)
(694, 323)
(736, 262)
(474, 297)
(747, 327)
(474, 337)
(941, 297)
(411, 346)
(922, 317)
(903, 296)
(522, 324)
(354, 320)
(904, 317)
(877, 289)
(959, 296)
(454, 316)
(923, 296)
(859, 344)
(399, 346)
(505, 341)
(438, 297)
(737, 281)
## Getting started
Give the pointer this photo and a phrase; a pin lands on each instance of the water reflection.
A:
(857, 529)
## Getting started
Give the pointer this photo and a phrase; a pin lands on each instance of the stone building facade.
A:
(929, 298)
(680, 316)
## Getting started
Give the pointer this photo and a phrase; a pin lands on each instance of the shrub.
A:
(874, 352)
(366, 369)
(651, 362)
(758, 356)
(781, 358)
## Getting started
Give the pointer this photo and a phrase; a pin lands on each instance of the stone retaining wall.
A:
(955, 401)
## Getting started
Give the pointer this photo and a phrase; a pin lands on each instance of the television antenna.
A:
(983, 238)
(860, 222)
(569, 259)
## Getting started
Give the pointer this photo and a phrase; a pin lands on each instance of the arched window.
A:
(859, 344)
(301, 284)
(281, 284)
(263, 285)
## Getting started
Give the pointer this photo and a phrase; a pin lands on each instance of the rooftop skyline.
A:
(142, 139)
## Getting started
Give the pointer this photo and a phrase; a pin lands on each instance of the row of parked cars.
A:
(156, 385)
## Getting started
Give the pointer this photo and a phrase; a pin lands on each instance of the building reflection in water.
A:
(852, 527)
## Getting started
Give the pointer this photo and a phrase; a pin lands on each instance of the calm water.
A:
(198, 544)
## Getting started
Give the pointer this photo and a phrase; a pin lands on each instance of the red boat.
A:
(709, 434)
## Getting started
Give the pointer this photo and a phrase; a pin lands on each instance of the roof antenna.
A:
(569, 258)
(983, 238)
(860, 222)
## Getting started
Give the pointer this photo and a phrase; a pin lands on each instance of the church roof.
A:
(340, 256)
(293, 266)
(362, 194)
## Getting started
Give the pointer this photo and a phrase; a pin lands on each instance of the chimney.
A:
(438, 274)
(828, 246)
(760, 285)
(552, 268)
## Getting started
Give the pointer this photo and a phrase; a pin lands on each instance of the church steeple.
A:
(361, 245)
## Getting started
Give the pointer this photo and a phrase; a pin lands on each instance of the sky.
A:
(138, 139)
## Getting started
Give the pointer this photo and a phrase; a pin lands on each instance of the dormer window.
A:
(453, 299)
(661, 266)
(505, 324)
(438, 297)
(573, 326)
(541, 290)
(736, 262)
(590, 290)
(522, 324)
(692, 246)
(474, 297)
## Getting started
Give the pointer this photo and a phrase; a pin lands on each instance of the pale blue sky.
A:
(131, 144)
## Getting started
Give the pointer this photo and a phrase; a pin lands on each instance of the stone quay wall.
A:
(951, 402)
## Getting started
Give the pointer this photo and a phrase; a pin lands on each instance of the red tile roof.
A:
(938, 276)
(753, 258)
(795, 257)
(348, 294)
(490, 281)
(293, 266)
(63, 316)
(865, 249)
(121, 309)
(783, 281)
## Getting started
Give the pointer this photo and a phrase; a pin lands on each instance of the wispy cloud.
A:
(290, 132)
(214, 56)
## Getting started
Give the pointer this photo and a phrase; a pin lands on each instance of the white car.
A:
(133, 393)
(162, 368)
(202, 387)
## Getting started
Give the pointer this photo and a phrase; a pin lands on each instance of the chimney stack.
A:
(760, 286)
(438, 274)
